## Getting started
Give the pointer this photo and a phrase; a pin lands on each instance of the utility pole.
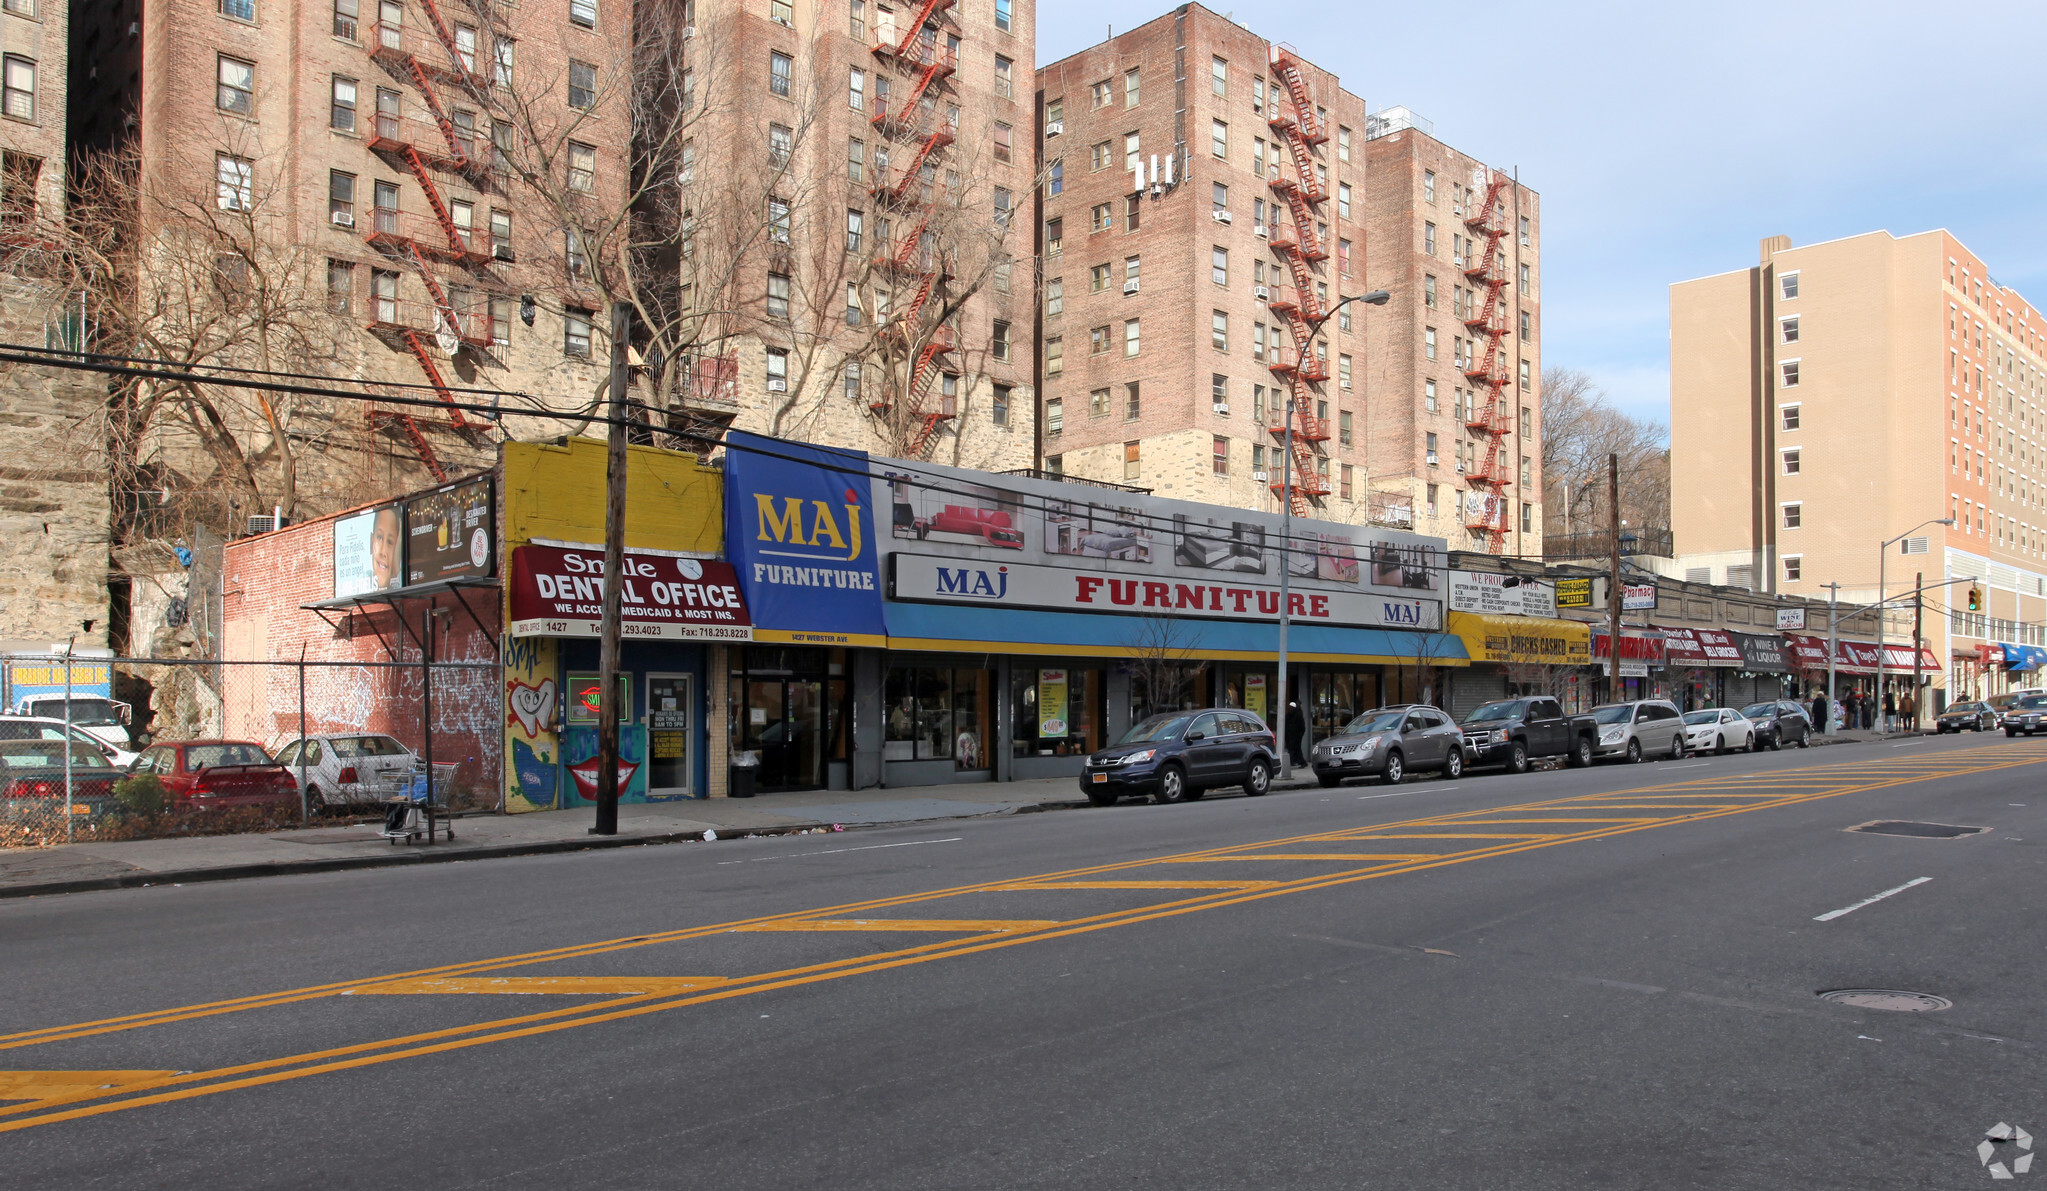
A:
(1613, 582)
(608, 711)
(1918, 650)
(1833, 645)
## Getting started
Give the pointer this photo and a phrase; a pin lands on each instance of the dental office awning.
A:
(1520, 640)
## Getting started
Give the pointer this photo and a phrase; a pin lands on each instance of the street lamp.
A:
(1881, 558)
(1377, 297)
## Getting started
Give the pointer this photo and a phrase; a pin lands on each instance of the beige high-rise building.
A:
(1838, 395)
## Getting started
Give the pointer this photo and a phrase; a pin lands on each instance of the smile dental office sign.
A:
(558, 591)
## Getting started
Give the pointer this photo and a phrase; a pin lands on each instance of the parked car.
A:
(348, 769)
(1719, 729)
(32, 782)
(1390, 741)
(204, 774)
(38, 727)
(1178, 755)
(1780, 722)
(1645, 727)
(2028, 715)
(1974, 714)
(1510, 732)
(2002, 703)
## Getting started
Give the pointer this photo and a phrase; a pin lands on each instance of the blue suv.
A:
(1177, 756)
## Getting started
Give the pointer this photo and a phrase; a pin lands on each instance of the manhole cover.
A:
(1917, 830)
(1887, 998)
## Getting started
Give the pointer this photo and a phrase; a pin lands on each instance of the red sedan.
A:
(215, 773)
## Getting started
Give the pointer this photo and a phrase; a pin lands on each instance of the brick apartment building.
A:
(1838, 395)
(881, 304)
(1454, 362)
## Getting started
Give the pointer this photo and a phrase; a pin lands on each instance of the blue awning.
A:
(980, 630)
(2023, 657)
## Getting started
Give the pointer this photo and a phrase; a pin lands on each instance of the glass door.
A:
(669, 712)
(784, 724)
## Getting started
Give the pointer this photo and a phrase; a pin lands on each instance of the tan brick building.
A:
(1454, 362)
(1837, 395)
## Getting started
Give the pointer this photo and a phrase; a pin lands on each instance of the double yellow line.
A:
(1847, 778)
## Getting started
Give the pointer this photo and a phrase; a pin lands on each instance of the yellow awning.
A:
(1519, 640)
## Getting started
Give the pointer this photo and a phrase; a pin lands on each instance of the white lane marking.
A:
(1908, 744)
(1693, 765)
(1830, 915)
(834, 851)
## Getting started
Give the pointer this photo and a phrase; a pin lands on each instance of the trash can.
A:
(744, 765)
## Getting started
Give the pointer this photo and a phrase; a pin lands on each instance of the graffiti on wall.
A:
(532, 716)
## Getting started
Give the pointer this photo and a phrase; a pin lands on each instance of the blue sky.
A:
(1666, 140)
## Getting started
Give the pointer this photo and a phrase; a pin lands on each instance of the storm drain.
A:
(1888, 998)
(1917, 830)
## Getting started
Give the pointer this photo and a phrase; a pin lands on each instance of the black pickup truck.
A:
(1510, 732)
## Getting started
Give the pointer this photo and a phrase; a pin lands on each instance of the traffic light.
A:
(1975, 599)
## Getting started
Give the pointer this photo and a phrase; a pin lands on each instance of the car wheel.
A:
(1172, 785)
(1677, 748)
(1329, 780)
(1634, 752)
(1258, 779)
(1581, 754)
(316, 803)
(2009, 732)
(1395, 770)
(1102, 797)
(1517, 758)
(1805, 739)
(1777, 743)
(1453, 765)
(1720, 744)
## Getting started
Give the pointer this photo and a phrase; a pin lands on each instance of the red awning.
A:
(1642, 647)
(1856, 657)
(1682, 649)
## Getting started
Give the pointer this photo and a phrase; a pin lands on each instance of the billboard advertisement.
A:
(449, 533)
(1487, 592)
(800, 530)
(556, 591)
(369, 552)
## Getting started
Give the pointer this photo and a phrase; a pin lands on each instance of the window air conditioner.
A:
(1259, 231)
(688, 31)
(342, 218)
(502, 252)
(1055, 128)
(1263, 293)
(1222, 217)
(1259, 476)
(778, 384)
(1129, 287)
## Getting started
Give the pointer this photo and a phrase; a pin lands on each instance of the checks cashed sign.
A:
(559, 592)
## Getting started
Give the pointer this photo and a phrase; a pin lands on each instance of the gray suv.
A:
(1644, 728)
(1388, 742)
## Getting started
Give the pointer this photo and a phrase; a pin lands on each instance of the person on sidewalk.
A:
(1908, 712)
(1890, 711)
(1819, 712)
(1295, 731)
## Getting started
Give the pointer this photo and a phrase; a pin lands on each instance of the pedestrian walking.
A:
(1819, 712)
(1908, 711)
(1890, 711)
(1295, 730)
(1847, 711)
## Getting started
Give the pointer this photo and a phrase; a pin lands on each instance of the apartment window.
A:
(1258, 332)
(234, 182)
(1524, 281)
(1098, 404)
(1099, 93)
(852, 304)
(1788, 416)
(1132, 151)
(1790, 329)
(1525, 324)
(1132, 90)
(1524, 231)
(1219, 393)
(576, 333)
(780, 141)
(1429, 342)
(1219, 197)
(1344, 482)
(340, 286)
(384, 296)
(778, 295)
(1429, 395)
(998, 340)
(1002, 142)
(1794, 515)
(1055, 417)
(340, 198)
(1098, 157)
(1098, 340)
(1428, 186)
(1219, 265)
(237, 84)
(1790, 462)
(856, 19)
(241, 10)
(998, 405)
(1132, 463)
(1132, 402)
(1219, 330)
(582, 167)
(1429, 290)
(778, 370)
(778, 220)
(1527, 471)
(779, 68)
(1054, 232)
(1343, 257)
(1055, 355)
(1097, 279)
(1342, 143)
(1219, 138)
(856, 224)
(1101, 217)
(1527, 377)
(1794, 567)
(856, 159)
(1055, 465)
(1343, 374)
(1788, 284)
(1003, 15)
(1219, 460)
(1429, 238)
(502, 54)
(1790, 370)
(1343, 200)
(572, 253)
(346, 12)
(1430, 446)
(341, 108)
(583, 12)
(1005, 72)
(1131, 211)
(1130, 336)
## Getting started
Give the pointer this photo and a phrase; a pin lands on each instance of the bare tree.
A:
(1163, 668)
(1580, 428)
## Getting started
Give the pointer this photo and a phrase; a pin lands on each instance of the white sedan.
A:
(348, 769)
(1719, 729)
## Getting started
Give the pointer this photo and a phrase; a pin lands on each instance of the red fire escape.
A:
(422, 147)
(1485, 515)
(922, 63)
(1301, 248)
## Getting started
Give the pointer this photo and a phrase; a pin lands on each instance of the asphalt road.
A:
(1568, 979)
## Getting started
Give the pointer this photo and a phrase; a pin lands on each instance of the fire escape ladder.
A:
(420, 445)
(1286, 64)
(907, 251)
(925, 11)
(446, 311)
(434, 200)
(447, 38)
(457, 155)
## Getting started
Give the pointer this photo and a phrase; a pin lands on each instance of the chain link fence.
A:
(174, 747)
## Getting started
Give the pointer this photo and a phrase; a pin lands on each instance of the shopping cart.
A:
(413, 810)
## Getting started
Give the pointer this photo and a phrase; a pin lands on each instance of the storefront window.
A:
(1338, 698)
(937, 713)
(1249, 687)
(1055, 711)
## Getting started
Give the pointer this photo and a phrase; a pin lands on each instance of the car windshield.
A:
(353, 747)
(1506, 709)
(1709, 716)
(1615, 713)
(92, 713)
(1374, 721)
(1759, 711)
(48, 754)
(1962, 709)
(207, 755)
(1159, 727)
(2033, 703)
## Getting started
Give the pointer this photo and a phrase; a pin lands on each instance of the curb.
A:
(288, 868)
